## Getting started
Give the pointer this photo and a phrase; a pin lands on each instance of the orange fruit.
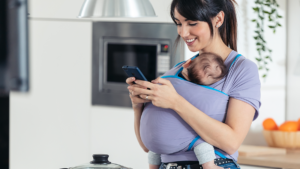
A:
(289, 126)
(270, 124)
(299, 124)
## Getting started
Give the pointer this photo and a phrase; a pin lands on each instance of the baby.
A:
(205, 69)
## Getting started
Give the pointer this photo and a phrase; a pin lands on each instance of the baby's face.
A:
(206, 71)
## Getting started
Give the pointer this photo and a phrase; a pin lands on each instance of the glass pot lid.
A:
(100, 162)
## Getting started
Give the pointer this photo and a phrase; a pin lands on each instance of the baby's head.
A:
(206, 69)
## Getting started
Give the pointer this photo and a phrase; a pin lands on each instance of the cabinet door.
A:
(55, 8)
(52, 120)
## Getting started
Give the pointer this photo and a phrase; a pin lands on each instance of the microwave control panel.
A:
(163, 59)
(163, 64)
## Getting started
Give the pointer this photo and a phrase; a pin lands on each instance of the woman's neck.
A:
(218, 47)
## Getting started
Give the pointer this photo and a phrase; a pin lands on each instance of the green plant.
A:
(265, 9)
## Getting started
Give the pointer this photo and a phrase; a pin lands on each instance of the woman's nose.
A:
(183, 31)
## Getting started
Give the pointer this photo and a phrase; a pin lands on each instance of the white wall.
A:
(273, 88)
(293, 61)
(55, 126)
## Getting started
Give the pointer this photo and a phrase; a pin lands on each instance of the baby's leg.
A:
(205, 154)
(154, 160)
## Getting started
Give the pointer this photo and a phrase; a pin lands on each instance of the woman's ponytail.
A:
(228, 30)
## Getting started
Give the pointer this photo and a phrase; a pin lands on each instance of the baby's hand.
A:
(211, 165)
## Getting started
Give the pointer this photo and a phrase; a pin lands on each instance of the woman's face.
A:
(196, 34)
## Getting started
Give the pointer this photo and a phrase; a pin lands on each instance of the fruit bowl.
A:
(282, 139)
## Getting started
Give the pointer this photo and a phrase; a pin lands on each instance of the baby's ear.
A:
(187, 63)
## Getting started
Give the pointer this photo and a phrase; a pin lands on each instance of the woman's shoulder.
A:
(247, 63)
(243, 75)
(244, 67)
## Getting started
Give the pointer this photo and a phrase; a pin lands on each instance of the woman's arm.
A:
(227, 136)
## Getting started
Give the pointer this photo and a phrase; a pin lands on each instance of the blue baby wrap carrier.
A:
(163, 131)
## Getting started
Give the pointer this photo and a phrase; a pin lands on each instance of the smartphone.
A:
(134, 71)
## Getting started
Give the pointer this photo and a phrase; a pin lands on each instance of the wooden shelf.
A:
(289, 160)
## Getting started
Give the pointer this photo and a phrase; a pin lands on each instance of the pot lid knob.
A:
(100, 159)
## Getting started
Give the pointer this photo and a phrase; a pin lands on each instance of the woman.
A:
(206, 26)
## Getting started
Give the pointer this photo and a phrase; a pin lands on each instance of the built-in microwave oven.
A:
(148, 46)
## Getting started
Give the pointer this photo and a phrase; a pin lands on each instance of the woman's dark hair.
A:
(205, 10)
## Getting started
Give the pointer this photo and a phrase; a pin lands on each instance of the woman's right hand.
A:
(136, 100)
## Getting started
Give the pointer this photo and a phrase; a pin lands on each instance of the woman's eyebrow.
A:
(179, 20)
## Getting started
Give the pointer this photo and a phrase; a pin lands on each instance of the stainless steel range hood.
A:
(116, 8)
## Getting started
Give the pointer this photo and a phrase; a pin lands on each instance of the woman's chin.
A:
(193, 49)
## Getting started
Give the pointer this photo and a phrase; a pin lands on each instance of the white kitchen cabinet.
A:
(49, 126)
(59, 9)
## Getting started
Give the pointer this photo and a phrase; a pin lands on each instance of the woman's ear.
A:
(187, 63)
(219, 19)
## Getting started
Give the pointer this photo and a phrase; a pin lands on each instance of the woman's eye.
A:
(193, 24)
(178, 24)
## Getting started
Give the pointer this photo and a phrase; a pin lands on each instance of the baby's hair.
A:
(210, 57)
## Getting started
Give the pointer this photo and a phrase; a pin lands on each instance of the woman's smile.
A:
(190, 42)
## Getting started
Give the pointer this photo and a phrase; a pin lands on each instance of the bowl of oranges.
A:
(287, 135)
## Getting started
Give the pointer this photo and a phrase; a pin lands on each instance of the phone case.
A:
(134, 71)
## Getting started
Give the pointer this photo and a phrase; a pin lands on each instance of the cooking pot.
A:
(100, 162)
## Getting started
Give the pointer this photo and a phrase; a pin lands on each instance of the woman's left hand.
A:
(161, 93)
